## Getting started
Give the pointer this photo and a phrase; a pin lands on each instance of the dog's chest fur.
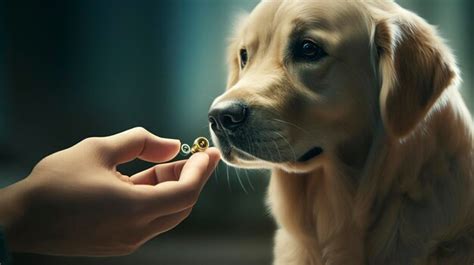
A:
(409, 198)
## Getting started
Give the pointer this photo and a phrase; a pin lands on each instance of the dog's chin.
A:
(309, 161)
(238, 158)
(308, 164)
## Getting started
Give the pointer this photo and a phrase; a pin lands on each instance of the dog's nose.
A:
(227, 115)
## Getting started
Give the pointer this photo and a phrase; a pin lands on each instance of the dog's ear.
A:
(415, 68)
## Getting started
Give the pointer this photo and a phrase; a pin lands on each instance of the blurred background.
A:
(74, 69)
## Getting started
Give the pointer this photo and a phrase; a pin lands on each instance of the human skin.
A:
(75, 202)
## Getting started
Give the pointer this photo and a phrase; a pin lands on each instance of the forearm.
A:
(74, 202)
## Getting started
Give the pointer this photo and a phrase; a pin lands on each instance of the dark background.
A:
(72, 69)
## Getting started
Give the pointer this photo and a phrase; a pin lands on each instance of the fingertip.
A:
(195, 166)
(200, 160)
(199, 156)
(212, 150)
(214, 154)
(173, 144)
(162, 149)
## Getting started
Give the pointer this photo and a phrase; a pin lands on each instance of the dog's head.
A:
(311, 80)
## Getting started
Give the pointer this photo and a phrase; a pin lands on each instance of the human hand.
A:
(74, 202)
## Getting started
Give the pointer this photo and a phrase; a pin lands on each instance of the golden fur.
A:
(394, 184)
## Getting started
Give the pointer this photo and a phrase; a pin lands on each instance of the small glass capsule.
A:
(185, 149)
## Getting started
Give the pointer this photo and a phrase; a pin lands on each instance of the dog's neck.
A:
(409, 179)
(338, 199)
(316, 209)
(439, 139)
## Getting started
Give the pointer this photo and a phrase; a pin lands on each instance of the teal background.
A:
(74, 69)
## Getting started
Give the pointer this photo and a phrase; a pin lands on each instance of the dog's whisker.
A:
(216, 172)
(248, 180)
(289, 145)
(240, 181)
(228, 178)
(227, 166)
(292, 124)
(246, 173)
(278, 150)
(249, 145)
(269, 153)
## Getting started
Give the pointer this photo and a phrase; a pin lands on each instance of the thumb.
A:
(139, 143)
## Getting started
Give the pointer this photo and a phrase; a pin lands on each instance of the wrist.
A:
(4, 253)
(13, 204)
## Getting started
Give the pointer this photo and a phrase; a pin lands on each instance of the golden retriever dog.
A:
(354, 107)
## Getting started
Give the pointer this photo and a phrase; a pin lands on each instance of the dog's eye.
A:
(310, 51)
(243, 58)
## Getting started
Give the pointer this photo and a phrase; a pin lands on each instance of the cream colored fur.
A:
(395, 182)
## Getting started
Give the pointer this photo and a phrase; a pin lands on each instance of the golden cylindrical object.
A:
(199, 145)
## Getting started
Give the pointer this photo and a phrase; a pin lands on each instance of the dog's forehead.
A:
(273, 13)
(271, 17)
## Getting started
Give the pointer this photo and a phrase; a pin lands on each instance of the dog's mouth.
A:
(242, 155)
(250, 149)
(313, 152)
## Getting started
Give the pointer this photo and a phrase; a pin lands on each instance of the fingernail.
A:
(172, 141)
